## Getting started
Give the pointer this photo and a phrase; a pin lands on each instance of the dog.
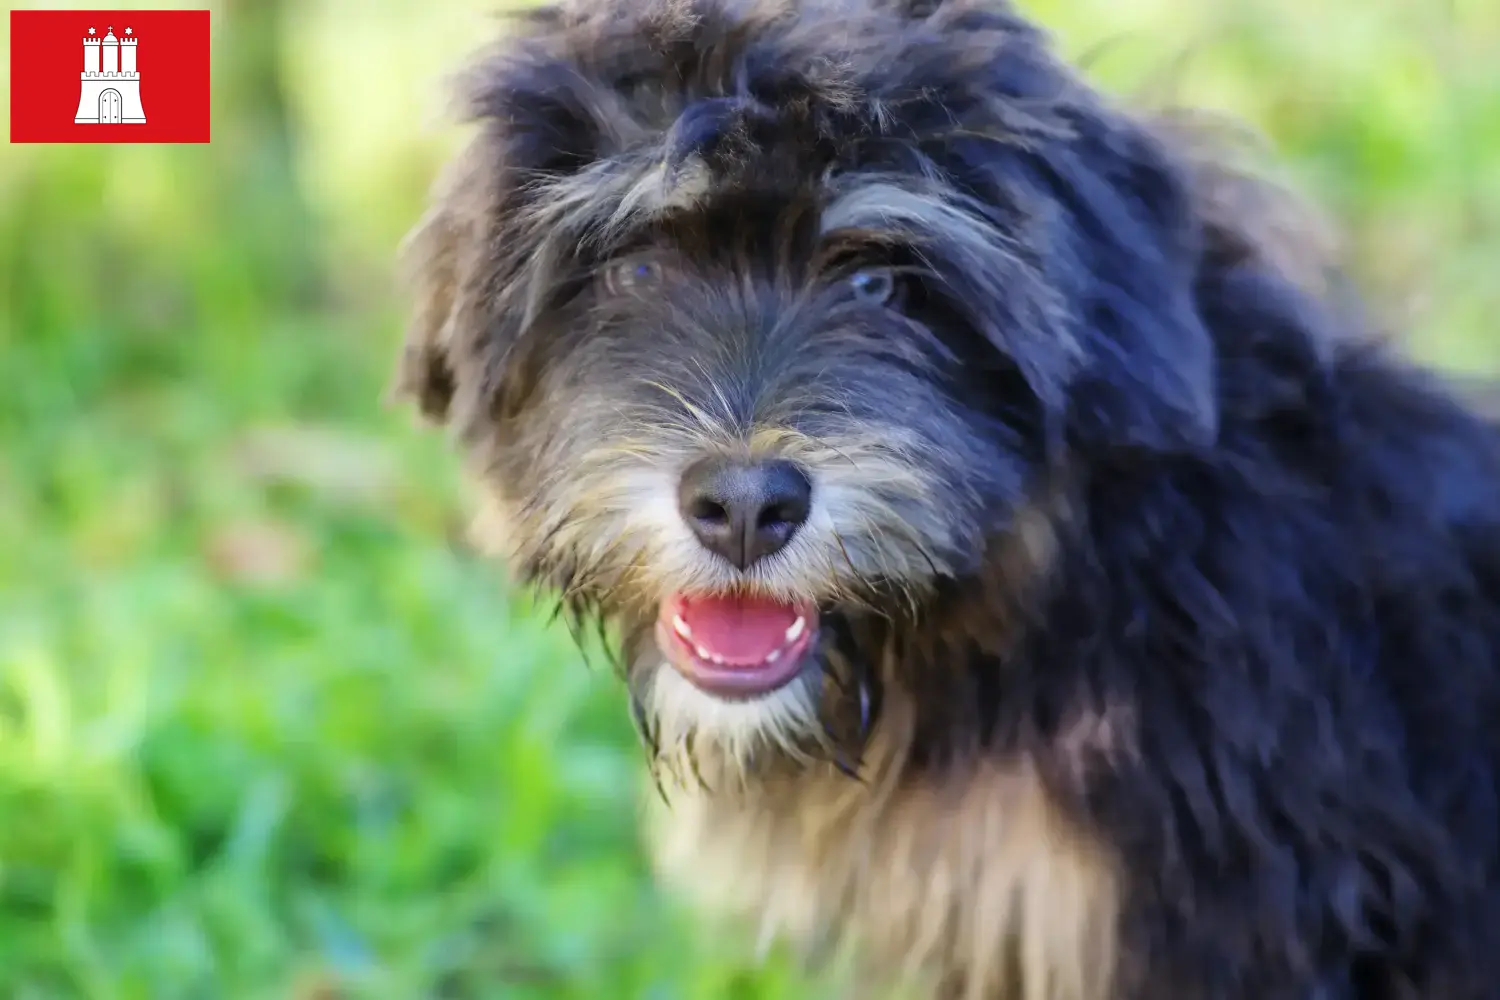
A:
(1027, 576)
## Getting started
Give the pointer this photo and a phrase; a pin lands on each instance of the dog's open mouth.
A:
(735, 645)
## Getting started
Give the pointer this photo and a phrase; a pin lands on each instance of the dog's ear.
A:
(431, 258)
(1130, 245)
(479, 261)
(1169, 221)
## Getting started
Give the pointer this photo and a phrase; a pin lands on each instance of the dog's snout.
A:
(744, 511)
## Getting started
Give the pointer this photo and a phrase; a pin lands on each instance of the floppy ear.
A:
(476, 261)
(1133, 244)
(1177, 241)
(507, 216)
(434, 258)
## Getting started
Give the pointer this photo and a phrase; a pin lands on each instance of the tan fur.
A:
(621, 508)
(634, 189)
(972, 886)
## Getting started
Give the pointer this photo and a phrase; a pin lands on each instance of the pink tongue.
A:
(740, 629)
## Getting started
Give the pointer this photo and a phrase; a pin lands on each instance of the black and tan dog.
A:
(1022, 574)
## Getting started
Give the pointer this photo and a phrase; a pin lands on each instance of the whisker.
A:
(690, 749)
(644, 726)
(845, 550)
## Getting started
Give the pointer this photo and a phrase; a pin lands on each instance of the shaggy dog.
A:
(1022, 574)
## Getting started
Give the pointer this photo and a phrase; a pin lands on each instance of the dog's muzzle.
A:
(739, 645)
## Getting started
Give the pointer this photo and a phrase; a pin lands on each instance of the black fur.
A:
(1273, 597)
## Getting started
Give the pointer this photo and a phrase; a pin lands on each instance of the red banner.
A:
(109, 76)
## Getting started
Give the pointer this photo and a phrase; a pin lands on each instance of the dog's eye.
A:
(625, 275)
(875, 285)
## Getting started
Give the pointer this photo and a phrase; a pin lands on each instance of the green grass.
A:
(264, 727)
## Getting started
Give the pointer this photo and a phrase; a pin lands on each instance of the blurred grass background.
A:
(266, 728)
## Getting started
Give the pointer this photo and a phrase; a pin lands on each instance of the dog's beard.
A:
(699, 738)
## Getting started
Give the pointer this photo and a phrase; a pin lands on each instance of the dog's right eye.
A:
(875, 285)
(625, 275)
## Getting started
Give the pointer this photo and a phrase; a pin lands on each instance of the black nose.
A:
(744, 512)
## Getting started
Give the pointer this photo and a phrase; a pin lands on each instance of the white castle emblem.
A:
(111, 84)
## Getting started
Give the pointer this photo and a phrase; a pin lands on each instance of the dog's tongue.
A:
(740, 629)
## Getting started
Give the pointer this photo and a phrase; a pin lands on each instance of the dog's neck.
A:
(891, 865)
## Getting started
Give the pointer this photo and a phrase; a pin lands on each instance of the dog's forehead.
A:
(740, 89)
(604, 121)
(713, 45)
(720, 78)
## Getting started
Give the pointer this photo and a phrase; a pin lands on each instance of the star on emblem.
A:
(93, 32)
(127, 31)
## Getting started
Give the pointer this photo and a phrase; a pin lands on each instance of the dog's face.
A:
(762, 319)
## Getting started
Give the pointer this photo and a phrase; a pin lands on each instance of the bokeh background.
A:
(267, 727)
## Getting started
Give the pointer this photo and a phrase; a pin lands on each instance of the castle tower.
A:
(111, 52)
(91, 53)
(127, 53)
(111, 84)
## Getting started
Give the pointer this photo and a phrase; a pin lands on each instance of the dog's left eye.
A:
(627, 274)
(875, 285)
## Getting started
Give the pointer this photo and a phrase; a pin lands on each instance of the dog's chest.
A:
(976, 888)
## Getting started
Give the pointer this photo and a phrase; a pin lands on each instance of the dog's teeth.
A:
(681, 627)
(773, 656)
(793, 633)
(704, 654)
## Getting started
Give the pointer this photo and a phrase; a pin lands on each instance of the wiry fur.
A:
(1160, 647)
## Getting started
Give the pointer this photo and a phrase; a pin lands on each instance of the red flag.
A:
(109, 76)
